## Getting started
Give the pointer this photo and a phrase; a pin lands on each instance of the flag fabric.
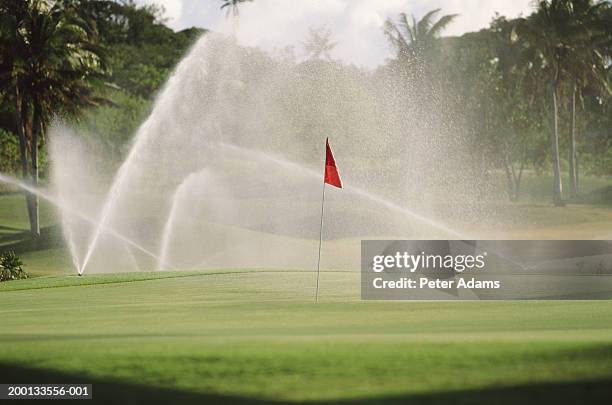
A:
(332, 176)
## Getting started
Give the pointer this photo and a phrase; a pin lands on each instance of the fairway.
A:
(257, 334)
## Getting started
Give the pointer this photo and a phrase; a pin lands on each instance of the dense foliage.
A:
(139, 53)
(60, 57)
(11, 267)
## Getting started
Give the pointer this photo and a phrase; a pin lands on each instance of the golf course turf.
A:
(248, 335)
(255, 335)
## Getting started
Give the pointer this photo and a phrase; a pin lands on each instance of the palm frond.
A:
(441, 24)
(423, 26)
(394, 35)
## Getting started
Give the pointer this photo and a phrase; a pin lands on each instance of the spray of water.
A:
(182, 191)
(167, 232)
(66, 209)
(356, 191)
(219, 171)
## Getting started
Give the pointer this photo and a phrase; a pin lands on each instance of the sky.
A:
(356, 24)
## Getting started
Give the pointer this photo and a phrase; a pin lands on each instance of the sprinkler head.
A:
(80, 274)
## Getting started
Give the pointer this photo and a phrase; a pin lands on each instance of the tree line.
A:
(524, 76)
(63, 58)
(517, 86)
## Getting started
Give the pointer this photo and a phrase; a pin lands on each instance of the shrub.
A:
(11, 267)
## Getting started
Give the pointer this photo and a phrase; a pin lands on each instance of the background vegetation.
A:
(531, 95)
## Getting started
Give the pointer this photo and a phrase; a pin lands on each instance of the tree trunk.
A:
(509, 182)
(21, 135)
(577, 170)
(519, 178)
(573, 169)
(510, 178)
(21, 117)
(36, 132)
(554, 135)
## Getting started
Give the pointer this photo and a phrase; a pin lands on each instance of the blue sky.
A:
(356, 24)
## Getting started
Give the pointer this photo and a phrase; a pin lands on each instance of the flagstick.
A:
(320, 241)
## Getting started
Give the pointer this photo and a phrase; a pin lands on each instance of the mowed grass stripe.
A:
(259, 334)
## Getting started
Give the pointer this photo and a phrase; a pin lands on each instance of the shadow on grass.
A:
(22, 242)
(116, 392)
(6, 238)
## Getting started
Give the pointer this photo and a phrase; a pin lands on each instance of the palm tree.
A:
(565, 33)
(412, 38)
(518, 89)
(318, 44)
(49, 61)
(544, 30)
(587, 68)
(232, 7)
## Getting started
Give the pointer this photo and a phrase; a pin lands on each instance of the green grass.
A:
(13, 213)
(92, 279)
(46, 256)
(258, 334)
(538, 188)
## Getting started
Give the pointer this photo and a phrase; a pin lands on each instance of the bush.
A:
(10, 267)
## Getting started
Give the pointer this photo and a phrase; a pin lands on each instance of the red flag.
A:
(332, 176)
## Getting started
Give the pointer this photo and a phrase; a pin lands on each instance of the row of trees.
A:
(59, 57)
(562, 50)
(573, 41)
(50, 59)
(510, 83)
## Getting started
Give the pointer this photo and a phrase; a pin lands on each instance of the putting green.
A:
(257, 333)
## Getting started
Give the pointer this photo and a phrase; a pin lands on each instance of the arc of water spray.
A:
(364, 194)
(71, 246)
(14, 182)
(140, 139)
(113, 193)
(169, 225)
(177, 197)
(166, 235)
(355, 190)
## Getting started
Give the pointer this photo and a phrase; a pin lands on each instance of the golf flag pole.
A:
(331, 177)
